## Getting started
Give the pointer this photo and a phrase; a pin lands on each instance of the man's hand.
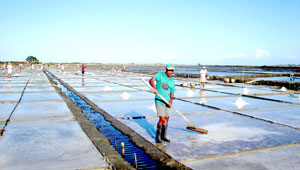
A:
(151, 82)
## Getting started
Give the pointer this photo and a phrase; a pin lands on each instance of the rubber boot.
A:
(164, 133)
(158, 134)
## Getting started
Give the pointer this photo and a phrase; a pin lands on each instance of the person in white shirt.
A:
(203, 74)
(9, 70)
(62, 67)
(20, 66)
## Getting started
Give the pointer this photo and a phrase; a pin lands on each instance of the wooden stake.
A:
(123, 148)
(135, 160)
(1, 132)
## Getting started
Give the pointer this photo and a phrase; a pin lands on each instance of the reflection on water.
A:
(190, 93)
(9, 86)
(82, 81)
(202, 97)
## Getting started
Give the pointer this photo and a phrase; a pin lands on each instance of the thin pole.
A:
(135, 160)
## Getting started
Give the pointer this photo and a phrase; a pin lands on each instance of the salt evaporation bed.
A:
(43, 111)
(238, 90)
(145, 108)
(117, 96)
(277, 158)
(41, 97)
(38, 84)
(84, 83)
(50, 145)
(4, 97)
(6, 109)
(229, 103)
(112, 88)
(293, 98)
(285, 115)
(13, 81)
(11, 89)
(227, 133)
(40, 89)
(132, 82)
(196, 93)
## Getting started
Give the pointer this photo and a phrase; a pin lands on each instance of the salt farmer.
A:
(62, 68)
(9, 70)
(83, 69)
(163, 84)
(203, 74)
(20, 67)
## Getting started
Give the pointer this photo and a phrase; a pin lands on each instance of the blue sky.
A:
(244, 32)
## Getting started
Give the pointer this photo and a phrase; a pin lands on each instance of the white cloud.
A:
(261, 53)
(291, 57)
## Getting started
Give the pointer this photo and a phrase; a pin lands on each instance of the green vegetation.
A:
(32, 59)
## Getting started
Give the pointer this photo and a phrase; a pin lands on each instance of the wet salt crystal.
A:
(240, 103)
(107, 88)
(245, 91)
(223, 132)
(125, 95)
(152, 107)
(283, 89)
(190, 93)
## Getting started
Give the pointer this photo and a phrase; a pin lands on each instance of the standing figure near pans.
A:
(203, 74)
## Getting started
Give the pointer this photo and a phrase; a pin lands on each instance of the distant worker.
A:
(83, 69)
(62, 68)
(124, 68)
(163, 84)
(292, 81)
(292, 78)
(203, 74)
(20, 67)
(32, 67)
(9, 70)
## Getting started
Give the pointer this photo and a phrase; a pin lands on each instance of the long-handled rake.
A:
(191, 126)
